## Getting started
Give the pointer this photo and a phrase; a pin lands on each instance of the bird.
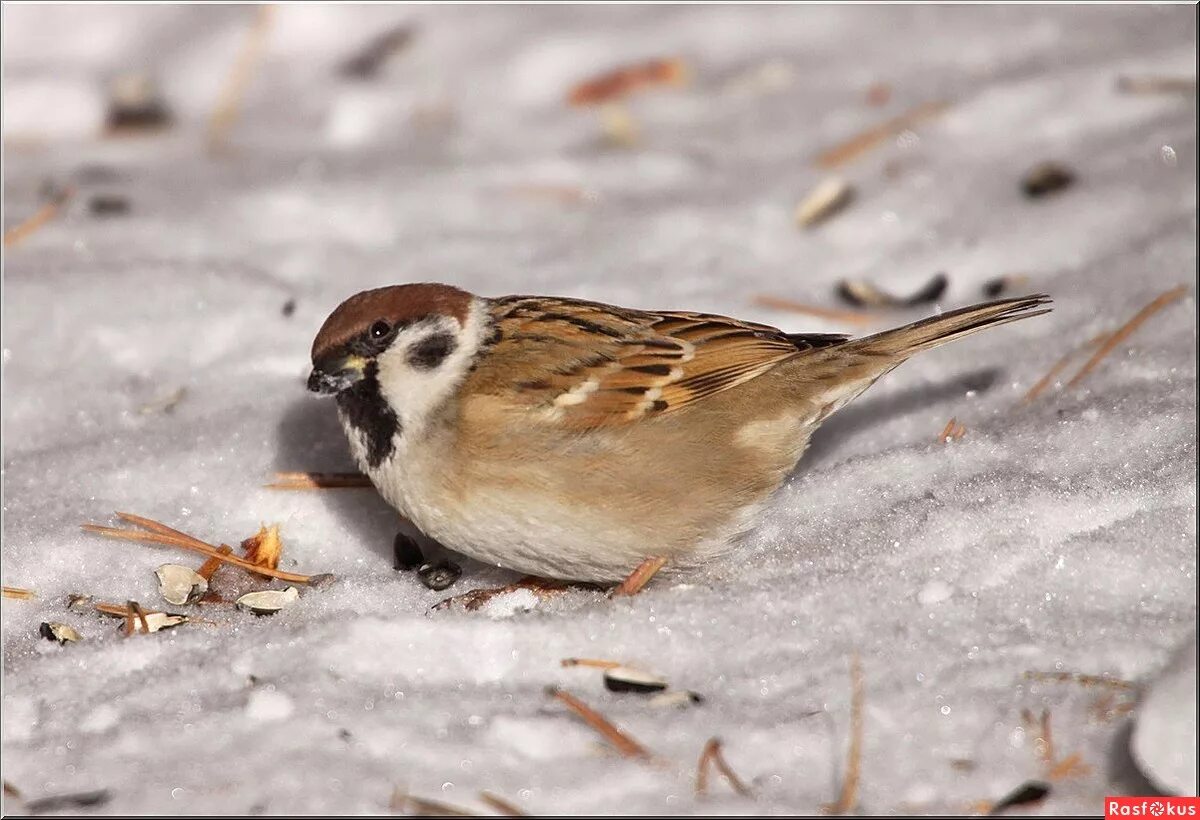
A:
(576, 441)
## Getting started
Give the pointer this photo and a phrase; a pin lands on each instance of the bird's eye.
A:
(380, 329)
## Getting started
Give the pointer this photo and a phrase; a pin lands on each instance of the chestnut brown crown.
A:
(396, 305)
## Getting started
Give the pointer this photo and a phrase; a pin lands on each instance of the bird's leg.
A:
(638, 579)
(543, 588)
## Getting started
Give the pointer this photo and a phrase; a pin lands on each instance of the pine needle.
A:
(592, 662)
(40, 217)
(162, 534)
(19, 594)
(863, 142)
(1059, 366)
(848, 798)
(712, 756)
(501, 805)
(317, 481)
(622, 742)
(1124, 331)
(226, 112)
(849, 317)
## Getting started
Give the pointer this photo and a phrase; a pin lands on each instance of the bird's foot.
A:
(543, 588)
(637, 580)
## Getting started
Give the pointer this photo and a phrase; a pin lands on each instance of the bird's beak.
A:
(335, 375)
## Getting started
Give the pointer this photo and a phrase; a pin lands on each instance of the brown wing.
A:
(584, 364)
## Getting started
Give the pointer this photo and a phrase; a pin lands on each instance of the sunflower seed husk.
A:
(628, 679)
(829, 197)
(158, 621)
(180, 585)
(79, 603)
(864, 294)
(268, 601)
(439, 575)
(55, 631)
(678, 699)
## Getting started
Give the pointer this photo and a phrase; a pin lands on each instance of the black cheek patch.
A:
(432, 351)
(368, 412)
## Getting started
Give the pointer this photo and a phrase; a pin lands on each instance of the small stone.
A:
(63, 633)
(289, 308)
(79, 603)
(108, 205)
(321, 580)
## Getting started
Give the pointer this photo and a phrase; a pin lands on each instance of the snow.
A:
(1058, 537)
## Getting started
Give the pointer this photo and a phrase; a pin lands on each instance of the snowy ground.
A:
(1060, 536)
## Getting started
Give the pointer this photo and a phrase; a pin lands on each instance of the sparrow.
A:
(576, 441)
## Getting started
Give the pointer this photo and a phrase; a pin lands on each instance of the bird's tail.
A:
(901, 342)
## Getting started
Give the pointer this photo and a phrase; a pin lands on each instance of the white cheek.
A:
(415, 393)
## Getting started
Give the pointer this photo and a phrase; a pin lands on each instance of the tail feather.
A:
(902, 342)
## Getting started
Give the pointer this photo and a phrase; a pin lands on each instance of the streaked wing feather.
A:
(585, 364)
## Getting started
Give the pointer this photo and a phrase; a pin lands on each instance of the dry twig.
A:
(1086, 681)
(622, 742)
(848, 798)
(854, 147)
(711, 755)
(849, 317)
(623, 81)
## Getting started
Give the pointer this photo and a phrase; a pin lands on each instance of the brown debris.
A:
(621, 82)
(500, 805)
(404, 802)
(637, 580)
(995, 288)
(1086, 681)
(225, 113)
(848, 798)
(953, 431)
(1125, 330)
(878, 94)
(1046, 178)
(135, 107)
(317, 481)
(162, 534)
(711, 755)
(1157, 85)
(264, 547)
(40, 217)
(1055, 768)
(622, 742)
(19, 594)
(860, 144)
(367, 62)
(844, 316)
